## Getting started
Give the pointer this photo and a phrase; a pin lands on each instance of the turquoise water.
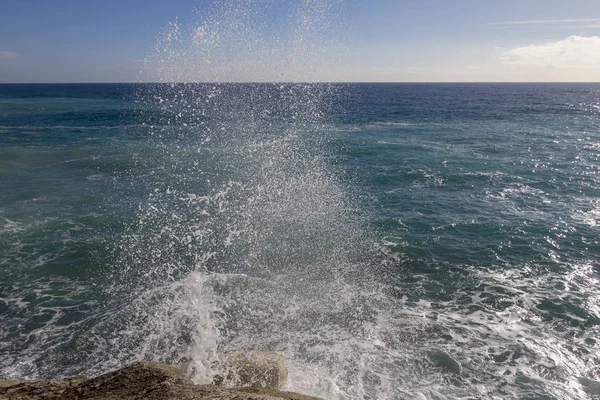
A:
(393, 241)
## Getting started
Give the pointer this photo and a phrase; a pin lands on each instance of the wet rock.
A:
(259, 369)
(144, 380)
(48, 389)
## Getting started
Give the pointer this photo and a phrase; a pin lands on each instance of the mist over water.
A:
(250, 41)
(248, 239)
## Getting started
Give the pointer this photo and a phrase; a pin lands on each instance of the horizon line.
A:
(281, 82)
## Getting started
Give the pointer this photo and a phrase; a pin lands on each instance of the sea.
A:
(391, 241)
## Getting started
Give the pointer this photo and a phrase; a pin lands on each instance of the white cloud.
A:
(572, 52)
(8, 55)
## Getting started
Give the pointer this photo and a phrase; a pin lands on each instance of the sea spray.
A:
(250, 41)
(248, 238)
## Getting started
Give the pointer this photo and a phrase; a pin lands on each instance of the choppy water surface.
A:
(392, 241)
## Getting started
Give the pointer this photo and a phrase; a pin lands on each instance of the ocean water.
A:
(392, 241)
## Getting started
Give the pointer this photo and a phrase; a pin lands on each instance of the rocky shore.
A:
(259, 375)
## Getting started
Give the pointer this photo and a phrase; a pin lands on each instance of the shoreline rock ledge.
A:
(142, 380)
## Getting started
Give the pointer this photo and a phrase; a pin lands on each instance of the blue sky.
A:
(349, 40)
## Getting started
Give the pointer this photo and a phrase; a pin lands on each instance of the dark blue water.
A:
(393, 241)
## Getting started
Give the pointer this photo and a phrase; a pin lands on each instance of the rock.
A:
(144, 380)
(140, 380)
(49, 389)
(272, 394)
(258, 369)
